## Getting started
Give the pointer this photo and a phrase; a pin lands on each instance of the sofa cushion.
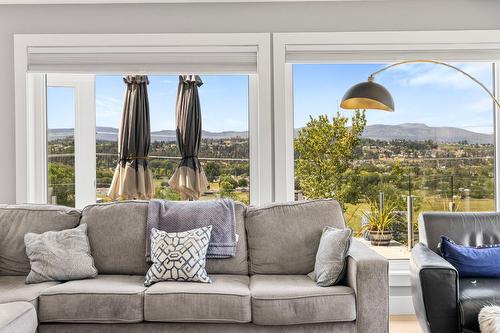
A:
(117, 235)
(284, 238)
(296, 299)
(17, 220)
(476, 293)
(238, 264)
(226, 299)
(105, 299)
(15, 289)
(18, 317)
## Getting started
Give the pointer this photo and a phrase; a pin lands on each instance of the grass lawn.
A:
(354, 213)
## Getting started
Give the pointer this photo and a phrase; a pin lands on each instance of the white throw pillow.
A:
(331, 257)
(179, 256)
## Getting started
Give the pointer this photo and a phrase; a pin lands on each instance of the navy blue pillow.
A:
(482, 261)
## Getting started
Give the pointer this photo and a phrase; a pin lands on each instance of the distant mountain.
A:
(409, 131)
(111, 134)
(422, 132)
(169, 135)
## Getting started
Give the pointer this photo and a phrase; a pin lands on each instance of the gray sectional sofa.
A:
(264, 288)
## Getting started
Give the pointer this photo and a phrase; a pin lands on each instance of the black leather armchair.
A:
(445, 303)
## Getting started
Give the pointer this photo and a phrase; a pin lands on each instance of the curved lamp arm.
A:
(372, 76)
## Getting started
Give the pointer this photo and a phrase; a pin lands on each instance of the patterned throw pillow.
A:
(59, 255)
(179, 256)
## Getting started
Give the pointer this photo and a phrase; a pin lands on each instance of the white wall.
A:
(256, 17)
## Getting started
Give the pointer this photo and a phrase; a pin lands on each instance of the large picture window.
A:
(236, 146)
(270, 109)
(224, 150)
(438, 146)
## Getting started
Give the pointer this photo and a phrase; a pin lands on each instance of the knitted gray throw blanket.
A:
(177, 216)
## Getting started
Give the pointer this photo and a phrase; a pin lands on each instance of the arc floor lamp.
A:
(371, 95)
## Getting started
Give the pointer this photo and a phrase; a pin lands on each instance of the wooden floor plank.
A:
(404, 324)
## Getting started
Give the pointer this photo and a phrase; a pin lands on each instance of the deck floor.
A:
(404, 324)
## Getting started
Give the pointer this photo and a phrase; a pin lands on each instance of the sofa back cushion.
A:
(117, 236)
(17, 220)
(239, 263)
(284, 238)
(469, 229)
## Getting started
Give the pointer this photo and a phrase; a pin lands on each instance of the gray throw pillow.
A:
(59, 255)
(179, 256)
(331, 257)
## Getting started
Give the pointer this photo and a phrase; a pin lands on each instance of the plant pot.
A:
(380, 238)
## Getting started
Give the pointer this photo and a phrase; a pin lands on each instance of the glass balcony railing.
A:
(228, 177)
(412, 194)
(61, 179)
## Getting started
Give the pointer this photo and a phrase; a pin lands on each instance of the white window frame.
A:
(358, 47)
(30, 159)
(85, 149)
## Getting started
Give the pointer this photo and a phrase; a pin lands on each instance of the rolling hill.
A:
(408, 131)
(422, 132)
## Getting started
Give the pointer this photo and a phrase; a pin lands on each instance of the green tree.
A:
(227, 183)
(325, 152)
(61, 179)
(166, 193)
(212, 170)
(242, 182)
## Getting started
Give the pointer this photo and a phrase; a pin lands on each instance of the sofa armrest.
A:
(434, 288)
(368, 274)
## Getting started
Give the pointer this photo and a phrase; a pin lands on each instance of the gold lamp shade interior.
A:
(368, 95)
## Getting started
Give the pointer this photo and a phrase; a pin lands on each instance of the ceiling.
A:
(43, 2)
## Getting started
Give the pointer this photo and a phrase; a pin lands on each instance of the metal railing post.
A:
(381, 200)
(409, 220)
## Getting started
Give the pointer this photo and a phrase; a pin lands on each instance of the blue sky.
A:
(60, 107)
(423, 93)
(224, 102)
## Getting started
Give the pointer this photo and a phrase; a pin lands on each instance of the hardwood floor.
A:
(404, 324)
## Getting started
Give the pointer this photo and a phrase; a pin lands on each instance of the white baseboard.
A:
(399, 283)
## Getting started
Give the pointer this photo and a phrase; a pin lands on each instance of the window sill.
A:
(395, 250)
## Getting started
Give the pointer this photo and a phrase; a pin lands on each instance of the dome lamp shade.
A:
(368, 95)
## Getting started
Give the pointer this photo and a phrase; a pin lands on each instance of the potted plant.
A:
(379, 222)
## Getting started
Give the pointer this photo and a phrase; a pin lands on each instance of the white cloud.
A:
(108, 107)
(436, 75)
(479, 106)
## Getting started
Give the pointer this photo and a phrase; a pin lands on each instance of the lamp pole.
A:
(372, 75)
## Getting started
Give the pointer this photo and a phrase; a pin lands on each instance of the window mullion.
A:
(37, 139)
(85, 141)
(496, 124)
